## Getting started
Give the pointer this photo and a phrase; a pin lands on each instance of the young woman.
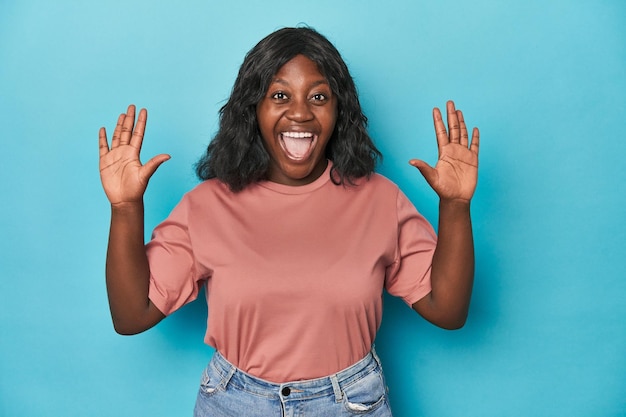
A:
(294, 236)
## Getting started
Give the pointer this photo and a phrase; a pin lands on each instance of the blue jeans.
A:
(359, 390)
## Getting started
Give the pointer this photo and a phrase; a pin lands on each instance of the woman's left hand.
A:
(456, 173)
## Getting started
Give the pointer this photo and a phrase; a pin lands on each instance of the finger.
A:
(127, 125)
(463, 127)
(102, 141)
(115, 141)
(440, 128)
(429, 173)
(137, 137)
(150, 167)
(475, 141)
(453, 123)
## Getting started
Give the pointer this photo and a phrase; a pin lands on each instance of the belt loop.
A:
(228, 376)
(376, 358)
(336, 388)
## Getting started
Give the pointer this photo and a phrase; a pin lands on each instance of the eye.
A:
(319, 98)
(279, 96)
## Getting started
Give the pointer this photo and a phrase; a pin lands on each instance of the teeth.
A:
(297, 145)
(298, 135)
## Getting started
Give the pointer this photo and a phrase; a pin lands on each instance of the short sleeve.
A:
(408, 277)
(174, 275)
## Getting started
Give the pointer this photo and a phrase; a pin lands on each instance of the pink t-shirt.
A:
(294, 275)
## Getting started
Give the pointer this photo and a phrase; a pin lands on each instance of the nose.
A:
(299, 110)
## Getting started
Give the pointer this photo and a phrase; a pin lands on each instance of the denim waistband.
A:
(296, 390)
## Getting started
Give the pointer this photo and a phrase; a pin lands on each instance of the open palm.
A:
(456, 172)
(123, 177)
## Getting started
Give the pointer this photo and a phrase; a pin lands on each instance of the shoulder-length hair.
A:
(237, 156)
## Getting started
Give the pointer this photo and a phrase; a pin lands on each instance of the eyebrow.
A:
(314, 84)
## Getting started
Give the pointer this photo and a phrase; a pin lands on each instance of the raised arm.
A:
(124, 180)
(454, 179)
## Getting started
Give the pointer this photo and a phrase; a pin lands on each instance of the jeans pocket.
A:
(366, 394)
(211, 381)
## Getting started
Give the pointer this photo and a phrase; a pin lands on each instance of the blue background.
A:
(544, 80)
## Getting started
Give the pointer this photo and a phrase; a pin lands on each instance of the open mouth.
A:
(297, 145)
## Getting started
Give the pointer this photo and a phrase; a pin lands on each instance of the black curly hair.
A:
(236, 155)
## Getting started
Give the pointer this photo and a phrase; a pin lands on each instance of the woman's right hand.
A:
(123, 177)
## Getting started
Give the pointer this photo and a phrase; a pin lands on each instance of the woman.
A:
(294, 236)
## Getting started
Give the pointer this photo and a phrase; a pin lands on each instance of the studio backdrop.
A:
(545, 81)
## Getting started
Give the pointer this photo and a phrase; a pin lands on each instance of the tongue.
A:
(297, 147)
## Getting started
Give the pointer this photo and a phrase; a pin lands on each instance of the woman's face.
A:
(297, 118)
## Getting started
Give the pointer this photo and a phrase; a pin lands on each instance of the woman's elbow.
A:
(449, 320)
(133, 327)
(126, 329)
(455, 323)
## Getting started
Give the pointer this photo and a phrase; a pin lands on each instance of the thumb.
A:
(429, 173)
(150, 167)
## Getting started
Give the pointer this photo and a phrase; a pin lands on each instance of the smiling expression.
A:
(296, 118)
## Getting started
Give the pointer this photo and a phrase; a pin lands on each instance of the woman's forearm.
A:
(128, 272)
(452, 272)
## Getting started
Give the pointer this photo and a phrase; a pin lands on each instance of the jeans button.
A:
(286, 391)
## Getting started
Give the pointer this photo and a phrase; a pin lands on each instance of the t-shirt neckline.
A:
(299, 189)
